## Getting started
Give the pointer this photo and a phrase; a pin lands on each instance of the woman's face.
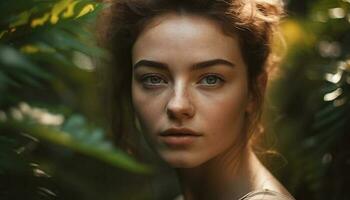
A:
(189, 89)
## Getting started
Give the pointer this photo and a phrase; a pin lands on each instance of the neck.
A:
(227, 176)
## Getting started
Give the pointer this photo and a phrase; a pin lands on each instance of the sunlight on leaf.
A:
(334, 78)
(29, 49)
(88, 8)
(58, 9)
(70, 9)
(40, 21)
(336, 13)
(333, 95)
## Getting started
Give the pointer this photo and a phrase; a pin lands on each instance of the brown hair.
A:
(254, 21)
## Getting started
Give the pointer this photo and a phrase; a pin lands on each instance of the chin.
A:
(180, 161)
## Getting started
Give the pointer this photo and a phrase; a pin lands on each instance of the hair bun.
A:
(270, 10)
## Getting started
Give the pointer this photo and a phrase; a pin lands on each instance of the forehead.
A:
(188, 37)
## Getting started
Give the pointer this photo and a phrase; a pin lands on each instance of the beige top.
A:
(266, 195)
(259, 195)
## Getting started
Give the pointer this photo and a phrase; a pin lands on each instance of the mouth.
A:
(177, 137)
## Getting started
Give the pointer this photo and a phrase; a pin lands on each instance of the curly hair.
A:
(253, 21)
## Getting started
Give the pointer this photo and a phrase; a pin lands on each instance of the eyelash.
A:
(146, 80)
(218, 77)
(147, 77)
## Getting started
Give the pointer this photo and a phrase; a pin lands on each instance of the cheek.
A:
(226, 105)
(225, 115)
(147, 109)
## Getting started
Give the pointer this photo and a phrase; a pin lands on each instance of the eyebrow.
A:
(200, 65)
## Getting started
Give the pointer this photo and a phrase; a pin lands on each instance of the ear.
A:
(259, 92)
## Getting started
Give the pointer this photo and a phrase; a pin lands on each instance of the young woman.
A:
(193, 73)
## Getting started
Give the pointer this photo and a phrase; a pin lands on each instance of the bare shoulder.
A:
(266, 195)
(267, 185)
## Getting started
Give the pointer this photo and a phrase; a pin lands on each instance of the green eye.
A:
(152, 80)
(211, 80)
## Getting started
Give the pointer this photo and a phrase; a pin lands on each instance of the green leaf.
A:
(5, 80)
(14, 60)
(103, 150)
(114, 157)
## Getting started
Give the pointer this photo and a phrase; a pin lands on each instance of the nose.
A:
(180, 106)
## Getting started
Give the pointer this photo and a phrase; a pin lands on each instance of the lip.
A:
(179, 132)
(177, 137)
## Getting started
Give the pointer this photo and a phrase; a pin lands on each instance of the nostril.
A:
(180, 107)
(179, 114)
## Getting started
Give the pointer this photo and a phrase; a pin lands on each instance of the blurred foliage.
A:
(52, 141)
(309, 101)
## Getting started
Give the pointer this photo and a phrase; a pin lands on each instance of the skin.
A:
(197, 79)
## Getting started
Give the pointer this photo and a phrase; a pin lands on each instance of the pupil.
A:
(154, 80)
(211, 80)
